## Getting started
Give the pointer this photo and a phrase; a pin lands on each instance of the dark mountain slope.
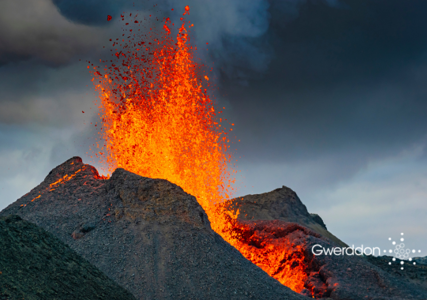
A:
(36, 265)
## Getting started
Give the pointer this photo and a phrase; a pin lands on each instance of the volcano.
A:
(148, 235)
(156, 241)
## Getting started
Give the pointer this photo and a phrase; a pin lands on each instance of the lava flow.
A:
(159, 121)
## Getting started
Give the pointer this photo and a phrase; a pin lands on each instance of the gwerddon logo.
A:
(399, 252)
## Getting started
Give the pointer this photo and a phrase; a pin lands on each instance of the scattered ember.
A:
(159, 121)
(187, 10)
(109, 18)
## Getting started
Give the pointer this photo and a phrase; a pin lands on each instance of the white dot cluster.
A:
(400, 252)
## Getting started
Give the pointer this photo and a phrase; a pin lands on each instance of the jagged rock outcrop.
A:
(280, 204)
(146, 234)
(35, 265)
(318, 220)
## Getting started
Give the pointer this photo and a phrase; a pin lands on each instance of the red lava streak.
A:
(62, 180)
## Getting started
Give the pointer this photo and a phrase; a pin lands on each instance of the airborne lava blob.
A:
(159, 121)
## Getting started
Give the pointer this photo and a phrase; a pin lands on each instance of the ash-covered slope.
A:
(146, 234)
(415, 273)
(36, 265)
(280, 204)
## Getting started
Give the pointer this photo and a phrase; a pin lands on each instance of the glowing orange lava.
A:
(266, 244)
(159, 121)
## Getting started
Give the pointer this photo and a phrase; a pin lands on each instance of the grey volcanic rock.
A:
(415, 273)
(146, 234)
(318, 220)
(280, 204)
(421, 260)
(36, 265)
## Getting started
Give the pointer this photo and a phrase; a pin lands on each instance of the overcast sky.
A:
(329, 98)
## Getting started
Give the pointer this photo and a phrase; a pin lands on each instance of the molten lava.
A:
(270, 245)
(159, 121)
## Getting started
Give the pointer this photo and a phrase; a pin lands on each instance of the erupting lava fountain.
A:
(159, 121)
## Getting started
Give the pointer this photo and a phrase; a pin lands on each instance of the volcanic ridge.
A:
(156, 241)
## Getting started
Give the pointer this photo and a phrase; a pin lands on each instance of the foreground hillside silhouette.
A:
(36, 265)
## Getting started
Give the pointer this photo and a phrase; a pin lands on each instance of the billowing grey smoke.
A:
(57, 32)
